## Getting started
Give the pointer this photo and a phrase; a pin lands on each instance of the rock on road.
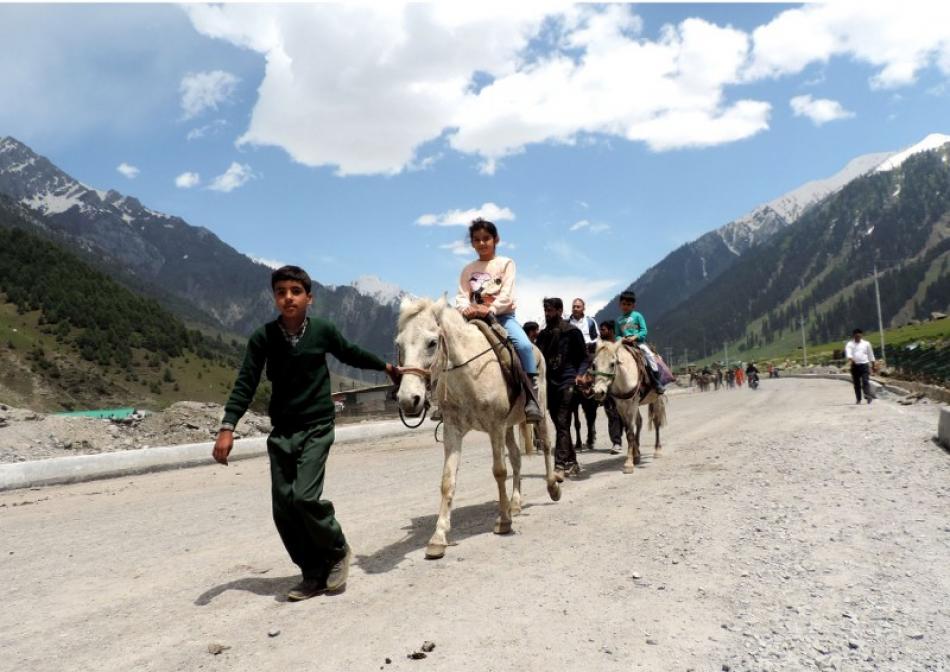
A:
(782, 529)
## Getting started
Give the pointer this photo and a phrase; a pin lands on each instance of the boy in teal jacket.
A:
(293, 349)
(631, 326)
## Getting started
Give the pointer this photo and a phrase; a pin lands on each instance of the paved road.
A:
(783, 529)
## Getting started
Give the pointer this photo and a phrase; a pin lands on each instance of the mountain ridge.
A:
(176, 258)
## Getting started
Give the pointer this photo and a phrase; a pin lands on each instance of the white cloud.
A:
(209, 129)
(127, 170)
(237, 175)
(463, 248)
(489, 211)
(593, 227)
(187, 180)
(820, 110)
(532, 289)
(202, 91)
(457, 247)
(410, 73)
(898, 39)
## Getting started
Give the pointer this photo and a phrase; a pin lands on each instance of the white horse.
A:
(615, 372)
(443, 354)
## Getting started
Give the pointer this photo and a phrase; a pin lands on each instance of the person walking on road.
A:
(860, 354)
(588, 329)
(563, 348)
(293, 350)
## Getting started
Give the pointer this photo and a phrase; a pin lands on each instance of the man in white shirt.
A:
(588, 327)
(861, 356)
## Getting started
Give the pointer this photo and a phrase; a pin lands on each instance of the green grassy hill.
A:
(789, 348)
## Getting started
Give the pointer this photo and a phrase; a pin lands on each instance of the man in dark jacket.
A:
(566, 354)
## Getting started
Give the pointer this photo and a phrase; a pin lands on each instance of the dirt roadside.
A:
(783, 529)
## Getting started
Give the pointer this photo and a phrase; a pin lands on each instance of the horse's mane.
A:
(409, 309)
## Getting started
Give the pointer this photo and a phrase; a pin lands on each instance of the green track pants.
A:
(305, 522)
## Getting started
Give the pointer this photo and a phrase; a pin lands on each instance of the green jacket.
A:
(631, 324)
(298, 374)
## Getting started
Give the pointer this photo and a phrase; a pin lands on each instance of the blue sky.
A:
(601, 137)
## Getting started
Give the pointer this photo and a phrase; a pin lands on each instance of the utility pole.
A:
(725, 348)
(804, 346)
(880, 321)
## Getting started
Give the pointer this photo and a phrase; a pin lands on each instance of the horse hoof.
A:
(503, 528)
(435, 551)
(636, 460)
(627, 469)
(554, 490)
(515, 510)
(657, 453)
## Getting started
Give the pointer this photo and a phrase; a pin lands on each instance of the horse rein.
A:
(612, 378)
(426, 376)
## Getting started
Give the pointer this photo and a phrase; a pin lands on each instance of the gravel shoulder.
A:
(782, 529)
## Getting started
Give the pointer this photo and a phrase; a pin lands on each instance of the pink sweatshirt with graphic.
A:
(495, 280)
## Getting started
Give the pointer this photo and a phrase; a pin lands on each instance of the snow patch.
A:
(790, 206)
(932, 141)
(384, 292)
(51, 204)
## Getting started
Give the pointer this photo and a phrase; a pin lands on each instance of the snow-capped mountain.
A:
(764, 221)
(932, 141)
(171, 256)
(385, 293)
(688, 269)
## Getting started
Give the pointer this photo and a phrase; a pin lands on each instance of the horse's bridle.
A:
(426, 375)
(612, 377)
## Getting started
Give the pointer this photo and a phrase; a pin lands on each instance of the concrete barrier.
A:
(76, 468)
(943, 427)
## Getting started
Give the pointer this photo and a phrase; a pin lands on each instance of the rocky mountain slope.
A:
(694, 265)
(188, 268)
(820, 268)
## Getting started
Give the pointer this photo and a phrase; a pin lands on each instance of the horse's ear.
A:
(405, 303)
(440, 305)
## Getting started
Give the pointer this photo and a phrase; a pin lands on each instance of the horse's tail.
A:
(658, 412)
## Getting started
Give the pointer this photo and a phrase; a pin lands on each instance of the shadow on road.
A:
(467, 521)
(275, 587)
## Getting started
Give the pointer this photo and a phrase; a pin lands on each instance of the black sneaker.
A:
(306, 589)
(336, 580)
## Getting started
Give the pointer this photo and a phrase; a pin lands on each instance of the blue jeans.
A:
(523, 345)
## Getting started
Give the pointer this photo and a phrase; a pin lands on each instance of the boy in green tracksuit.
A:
(631, 326)
(293, 349)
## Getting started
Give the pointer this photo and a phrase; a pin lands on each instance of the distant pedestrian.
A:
(861, 356)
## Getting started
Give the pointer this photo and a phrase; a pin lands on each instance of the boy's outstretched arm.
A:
(223, 445)
(241, 395)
